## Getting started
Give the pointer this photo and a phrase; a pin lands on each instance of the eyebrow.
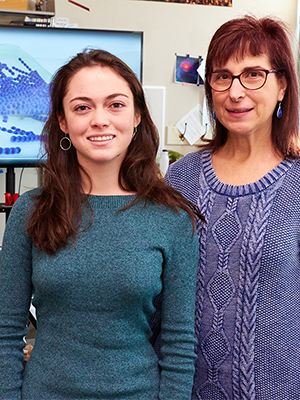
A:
(245, 69)
(111, 96)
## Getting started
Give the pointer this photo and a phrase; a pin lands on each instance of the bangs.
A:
(237, 44)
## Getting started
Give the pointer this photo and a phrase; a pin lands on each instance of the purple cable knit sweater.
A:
(248, 289)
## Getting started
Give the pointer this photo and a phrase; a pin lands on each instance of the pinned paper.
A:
(195, 124)
(201, 70)
(186, 70)
(191, 126)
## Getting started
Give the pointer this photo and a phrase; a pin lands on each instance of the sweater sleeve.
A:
(177, 175)
(178, 312)
(15, 296)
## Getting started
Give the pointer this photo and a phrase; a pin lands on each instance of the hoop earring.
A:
(134, 132)
(279, 111)
(61, 143)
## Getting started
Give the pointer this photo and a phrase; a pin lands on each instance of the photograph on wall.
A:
(221, 3)
(186, 70)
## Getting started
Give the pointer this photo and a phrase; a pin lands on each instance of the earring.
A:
(214, 115)
(134, 132)
(279, 111)
(68, 145)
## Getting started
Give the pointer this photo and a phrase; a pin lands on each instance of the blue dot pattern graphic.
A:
(23, 92)
(24, 98)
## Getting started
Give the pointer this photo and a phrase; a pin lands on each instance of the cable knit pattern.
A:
(239, 313)
(248, 303)
(220, 289)
(204, 202)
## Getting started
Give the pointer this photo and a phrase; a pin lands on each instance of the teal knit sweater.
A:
(94, 301)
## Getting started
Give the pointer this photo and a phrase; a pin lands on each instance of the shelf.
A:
(11, 16)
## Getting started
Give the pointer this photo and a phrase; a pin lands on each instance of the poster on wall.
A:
(221, 3)
(186, 70)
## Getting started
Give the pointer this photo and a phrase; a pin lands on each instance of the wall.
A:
(168, 29)
(171, 28)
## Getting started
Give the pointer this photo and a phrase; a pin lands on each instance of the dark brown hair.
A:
(252, 36)
(57, 214)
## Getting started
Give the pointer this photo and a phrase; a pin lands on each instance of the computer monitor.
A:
(29, 56)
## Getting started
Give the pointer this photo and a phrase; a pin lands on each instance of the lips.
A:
(239, 110)
(101, 138)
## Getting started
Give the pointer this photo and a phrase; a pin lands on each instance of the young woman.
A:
(96, 244)
(246, 181)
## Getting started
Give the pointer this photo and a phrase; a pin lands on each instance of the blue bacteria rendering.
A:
(24, 97)
(23, 91)
(10, 150)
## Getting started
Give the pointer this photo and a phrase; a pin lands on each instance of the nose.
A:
(100, 117)
(236, 90)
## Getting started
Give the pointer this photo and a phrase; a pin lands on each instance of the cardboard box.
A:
(13, 4)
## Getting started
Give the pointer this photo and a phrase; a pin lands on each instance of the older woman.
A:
(96, 244)
(246, 182)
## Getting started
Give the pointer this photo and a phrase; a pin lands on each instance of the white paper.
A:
(32, 310)
(201, 70)
(191, 125)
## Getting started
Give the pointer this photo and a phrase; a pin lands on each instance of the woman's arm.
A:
(178, 313)
(15, 296)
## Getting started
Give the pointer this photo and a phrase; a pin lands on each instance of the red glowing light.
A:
(186, 65)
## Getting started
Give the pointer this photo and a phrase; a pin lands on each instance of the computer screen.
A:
(29, 56)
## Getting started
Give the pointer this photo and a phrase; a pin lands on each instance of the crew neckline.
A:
(241, 190)
(111, 201)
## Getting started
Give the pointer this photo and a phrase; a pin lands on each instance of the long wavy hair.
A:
(58, 207)
(252, 36)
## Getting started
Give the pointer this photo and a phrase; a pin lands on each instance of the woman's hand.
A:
(27, 351)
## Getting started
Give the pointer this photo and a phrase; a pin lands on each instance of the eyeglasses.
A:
(251, 79)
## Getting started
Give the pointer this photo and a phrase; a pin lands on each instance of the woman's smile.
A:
(239, 112)
(102, 138)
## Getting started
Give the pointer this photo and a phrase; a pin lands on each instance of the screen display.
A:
(29, 56)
